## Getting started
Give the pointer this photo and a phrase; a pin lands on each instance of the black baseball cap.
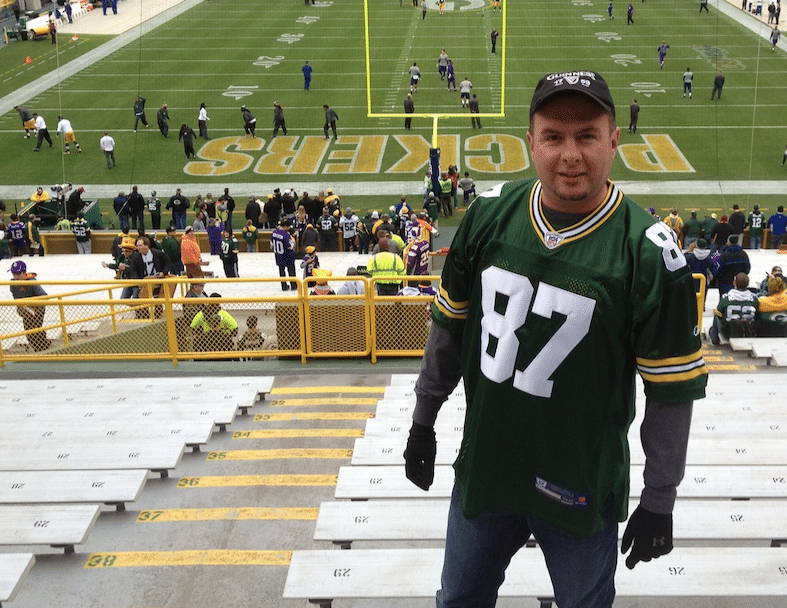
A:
(588, 83)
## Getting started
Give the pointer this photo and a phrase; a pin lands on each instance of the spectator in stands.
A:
(81, 231)
(395, 242)
(283, 246)
(121, 207)
(196, 290)
(309, 238)
(353, 287)
(252, 212)
(468, 187)
(327, 229)
(179, 205)
(213, 328)
(756, 224)
(349, 226)
(417, 260)
(199, 222)
(736, 305)
(772, 317)
(215, 229)
(700, 261)
(321, 287)
(171, 247)
(387, 267)
(675, 223)
(776, 271)
(229, 253)
(299, 225)
(733, 260)
(250, 236)
(33, 236)
(74, 203)
(190, 254)
(720, 234)
(32, 316)
(136, 208)
(122, 267)
(310, 261)
(252, 338)
(364, 229)
(708, 224)
(692, 228)
(737, 222)
(777, 224)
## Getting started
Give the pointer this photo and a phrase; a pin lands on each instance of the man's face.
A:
(572, 148)
(142, 247)
(18, 276)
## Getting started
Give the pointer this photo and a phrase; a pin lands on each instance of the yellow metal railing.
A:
(94, 323)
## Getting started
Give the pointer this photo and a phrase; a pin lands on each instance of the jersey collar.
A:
(552, 238)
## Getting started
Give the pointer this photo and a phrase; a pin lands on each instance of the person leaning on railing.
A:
(389, 265)
(213, 328)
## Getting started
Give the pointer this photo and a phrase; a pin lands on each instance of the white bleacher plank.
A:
(165, 389)
(217, 413)
(381, 520)
(191, 432)
(156, 456)
(704, 424)
(54, 524)
(14, 568)
(741, 344)
(702, 450)
(368, 482)
(401, 392)
(763, 347)
(87, 486)
(779, 359)
(264, 385)
(730, 401)
(415, 573)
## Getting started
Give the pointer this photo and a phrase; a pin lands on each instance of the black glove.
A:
(651, 534)
(419, 455)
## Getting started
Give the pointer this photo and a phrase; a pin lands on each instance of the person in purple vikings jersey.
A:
(451, 76)
(418, 257)
(283, 246)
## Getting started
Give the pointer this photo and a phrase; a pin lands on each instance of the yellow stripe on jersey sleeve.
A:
(450, 308)
(672, 369)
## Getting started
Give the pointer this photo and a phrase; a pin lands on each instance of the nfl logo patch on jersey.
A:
(552, 239)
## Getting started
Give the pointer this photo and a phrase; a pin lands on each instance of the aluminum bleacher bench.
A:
(156, 456)
(193, 433)
(111, 487)
(322, 576)
(14, 568)
(707, 481)
(218, 413)
(342, 522)
(779, 358)
(702, 450)
(58, 525)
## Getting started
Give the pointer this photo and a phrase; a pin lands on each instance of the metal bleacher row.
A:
(70, 446)
(729, 518)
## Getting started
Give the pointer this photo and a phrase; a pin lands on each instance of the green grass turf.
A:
(227, 54)
(44, 57)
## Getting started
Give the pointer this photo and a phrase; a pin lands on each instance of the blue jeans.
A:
(180, 219)
(478, 551)
(755, 242)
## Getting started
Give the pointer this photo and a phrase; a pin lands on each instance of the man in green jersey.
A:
(556, 291)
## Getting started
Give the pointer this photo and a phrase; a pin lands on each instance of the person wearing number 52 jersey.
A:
(555, 292)
(283, 245)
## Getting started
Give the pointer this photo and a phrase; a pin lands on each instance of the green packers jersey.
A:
(555, 324)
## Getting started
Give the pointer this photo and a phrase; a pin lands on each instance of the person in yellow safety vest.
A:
(389, 265)
(446, 185)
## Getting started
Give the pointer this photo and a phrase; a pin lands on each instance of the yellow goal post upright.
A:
(434, 152)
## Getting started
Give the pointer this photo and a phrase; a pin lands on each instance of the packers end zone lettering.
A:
(490, 153)
(357, 154)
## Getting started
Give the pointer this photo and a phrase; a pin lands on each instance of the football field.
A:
(693, 153)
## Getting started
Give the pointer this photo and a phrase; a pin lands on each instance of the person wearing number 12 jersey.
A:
(555, 293)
